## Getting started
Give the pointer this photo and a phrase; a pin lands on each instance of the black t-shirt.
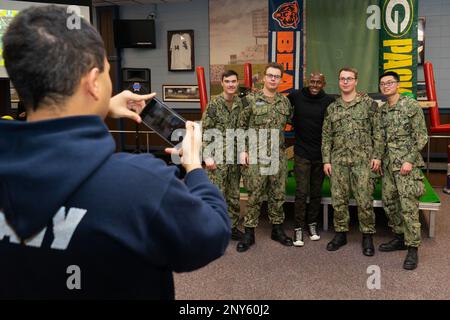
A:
(309, 113)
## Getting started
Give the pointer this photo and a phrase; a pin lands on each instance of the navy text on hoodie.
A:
(80, 221)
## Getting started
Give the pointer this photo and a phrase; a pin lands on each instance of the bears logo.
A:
(287, 15)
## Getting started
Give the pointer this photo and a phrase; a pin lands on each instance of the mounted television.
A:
(9, 9)
(135, 33)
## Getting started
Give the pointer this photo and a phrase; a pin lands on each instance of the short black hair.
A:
(45, 59)
(229, 73)
(389, 73)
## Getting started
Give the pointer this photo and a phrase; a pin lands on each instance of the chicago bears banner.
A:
(398, 41)
(285, 41)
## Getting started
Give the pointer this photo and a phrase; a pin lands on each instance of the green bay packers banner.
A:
(285, 41)
(398, 41)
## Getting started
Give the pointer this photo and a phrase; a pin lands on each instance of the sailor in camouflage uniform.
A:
(405, 134)
(352, 147)
(266, 109)
(222, 113)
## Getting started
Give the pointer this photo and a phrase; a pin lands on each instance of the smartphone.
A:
(163, 120)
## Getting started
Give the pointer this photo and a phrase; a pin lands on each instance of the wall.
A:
(194, 15)
(171, 16)
(437, 45)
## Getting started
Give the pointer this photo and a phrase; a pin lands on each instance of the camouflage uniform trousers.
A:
(258, 186)
(358, 179)
(227, 178)
(309, 177)
(401, 203)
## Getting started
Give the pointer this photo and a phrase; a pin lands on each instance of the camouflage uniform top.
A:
(260, 113)
(405, 133)
(219, 116)
(351, 131)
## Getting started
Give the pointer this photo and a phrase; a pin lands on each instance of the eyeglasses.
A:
(275, 76)
(387, 84)
(349, 79)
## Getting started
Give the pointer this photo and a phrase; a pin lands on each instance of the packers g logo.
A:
(398, 17)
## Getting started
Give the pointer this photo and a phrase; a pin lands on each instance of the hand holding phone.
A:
(163, 120)
(191, 147)
(127, 105)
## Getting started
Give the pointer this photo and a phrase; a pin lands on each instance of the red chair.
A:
(202, 88)
(435, 119)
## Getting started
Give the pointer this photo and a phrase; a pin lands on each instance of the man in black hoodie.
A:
(76, 219)
(310, 105)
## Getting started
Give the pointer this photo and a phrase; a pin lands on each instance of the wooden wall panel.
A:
(438, 147)
(105, 19)
(154, 141)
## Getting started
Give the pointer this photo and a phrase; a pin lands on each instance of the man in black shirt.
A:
(310, 105)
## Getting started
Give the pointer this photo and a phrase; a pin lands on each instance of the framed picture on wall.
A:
(181, 93)
(180, 50)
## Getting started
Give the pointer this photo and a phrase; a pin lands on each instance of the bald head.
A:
(316, 74)
(316, 82)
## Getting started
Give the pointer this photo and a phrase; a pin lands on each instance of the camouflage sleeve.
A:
(419, 132)
(209, 116)
(244, 117)
(290, 118)
(290, 97)
(327, 137)
(287, 110)
(377, 134)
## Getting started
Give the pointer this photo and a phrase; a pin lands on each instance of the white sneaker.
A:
(313, 235)
(298, 237)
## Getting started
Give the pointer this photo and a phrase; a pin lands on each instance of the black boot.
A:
(398, 243)
(338, 241)
(248, 239)
(236, 234)
(279, 235)
(367, 245)
(411, 259)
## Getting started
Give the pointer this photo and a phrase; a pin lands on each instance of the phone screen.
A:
(163, 120)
